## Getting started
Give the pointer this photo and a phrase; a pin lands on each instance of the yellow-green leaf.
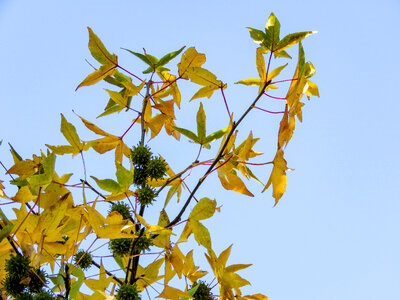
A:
(204, 209)
(201, 234)
(69, 132)
(96, 76)
(201, 123)
(98, 51)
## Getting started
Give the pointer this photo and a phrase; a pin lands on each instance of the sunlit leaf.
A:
(278, 177)
(96, 76)
(98, 51)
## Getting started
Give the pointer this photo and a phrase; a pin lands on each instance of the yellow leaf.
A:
(94, 128)
(230, 181)
(191, 58)
(257, 297)
(118, 98)
(24, 167)
(106, 144)
(286, 129)
(173, 294)
(203, 77)
(201, 234)
(278, 177)
(61, 150)
(23, 195)
(96, 76)
(206, 91)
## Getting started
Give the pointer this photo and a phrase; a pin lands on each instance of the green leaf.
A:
(98, 51)
(258, 36)
(5, 231)
(143, 57)
(272, 29)
(292, 39)
(215, 136)
(187, 133)
(170, 56)
(15, 155)
(108, 185)
(69, 132)
(201, 123)
(204, 209)
(124, 177)
(111, 110)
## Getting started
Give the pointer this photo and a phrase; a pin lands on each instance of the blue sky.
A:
(334, 234)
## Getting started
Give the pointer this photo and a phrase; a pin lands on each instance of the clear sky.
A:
(335, 233)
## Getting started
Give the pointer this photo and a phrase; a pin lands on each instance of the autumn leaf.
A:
(191, 58)
(230, 180)
(278, 177)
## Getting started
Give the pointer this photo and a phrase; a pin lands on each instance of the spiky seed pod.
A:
(43, 296)
(203, 292)
(123, 209)
(156, 168)
(83, 259)
(120, 247)
(146, 195)
(140, 155)
(17, 267)
(12, 286)
(127, 292)
(24, 296)
(38, 280)
(143, 243)
(139, 176)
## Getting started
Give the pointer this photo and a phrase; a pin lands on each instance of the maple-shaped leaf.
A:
(278, 177)
(173, 294)
(99, 52)
(169, 87)
(228, 280)
(264, 79)
(207, 79)
(300, 85)
(191, 58)
(149, 274)
(156, 65)
(269, 39)
(201, 137)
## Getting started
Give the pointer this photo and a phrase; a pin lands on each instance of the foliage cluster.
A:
(51, 224)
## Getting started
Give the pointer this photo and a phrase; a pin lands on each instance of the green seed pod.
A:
(203, 292)
(143, 243)
(17, 267)
(139, 176)
(120, 247)
(24, 296)
(83, 259)
(38, 280)
(123, 209)
(156, 168)
(127, 292)
(43, 296)
(146, 195)
(140, 155)
(12, 286)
